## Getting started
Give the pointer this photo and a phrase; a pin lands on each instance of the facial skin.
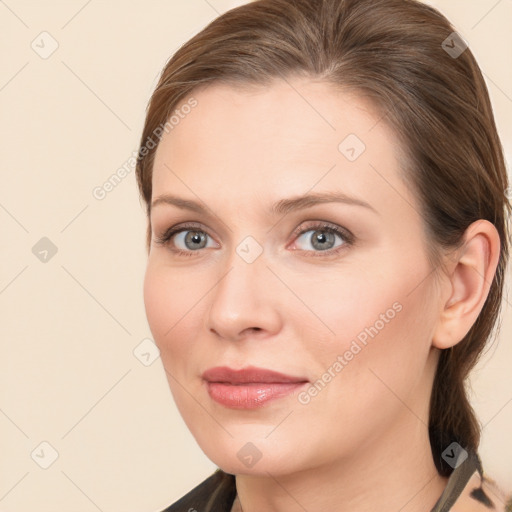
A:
(362, 442)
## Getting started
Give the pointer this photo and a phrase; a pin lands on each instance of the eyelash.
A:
(348, 238)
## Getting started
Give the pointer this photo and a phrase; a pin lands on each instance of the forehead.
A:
(297, 113)
(290, 136)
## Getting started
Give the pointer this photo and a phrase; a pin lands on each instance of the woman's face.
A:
(262, 282)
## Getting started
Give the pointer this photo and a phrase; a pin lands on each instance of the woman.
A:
(327, 244)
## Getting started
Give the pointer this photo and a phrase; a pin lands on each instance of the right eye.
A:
(190, 237)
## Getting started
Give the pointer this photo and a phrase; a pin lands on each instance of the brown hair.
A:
(391, 51)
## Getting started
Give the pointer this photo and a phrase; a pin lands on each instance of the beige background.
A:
(69, 326)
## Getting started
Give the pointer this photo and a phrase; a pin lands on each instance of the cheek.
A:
(347, 307)
(382, 303)
(379, 335)
(170, 314)
(156, 301)
(168, 302)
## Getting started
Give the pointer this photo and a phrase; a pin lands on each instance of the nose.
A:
(244, 302)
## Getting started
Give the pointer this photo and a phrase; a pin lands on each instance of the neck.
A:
(395, 472)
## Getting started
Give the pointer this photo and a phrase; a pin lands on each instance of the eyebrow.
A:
(281, 207)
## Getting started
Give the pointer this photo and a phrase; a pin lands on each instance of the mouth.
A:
(250, 387)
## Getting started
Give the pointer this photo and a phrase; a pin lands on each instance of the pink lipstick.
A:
(250, 387)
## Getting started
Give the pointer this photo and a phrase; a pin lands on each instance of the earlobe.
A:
(468, 286)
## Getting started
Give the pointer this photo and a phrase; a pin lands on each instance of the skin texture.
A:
(362, 442)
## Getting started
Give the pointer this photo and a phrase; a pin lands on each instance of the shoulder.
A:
(482, 494)
(218, 489)
(502, 500)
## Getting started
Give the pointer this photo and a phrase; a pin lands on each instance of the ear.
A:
(466, 289)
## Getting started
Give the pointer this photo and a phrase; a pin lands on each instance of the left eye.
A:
(191, 239)
(322, 238)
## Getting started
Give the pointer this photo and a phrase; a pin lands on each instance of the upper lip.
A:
(249, 374)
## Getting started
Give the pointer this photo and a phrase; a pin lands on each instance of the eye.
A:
(190, 237)
(323, 237)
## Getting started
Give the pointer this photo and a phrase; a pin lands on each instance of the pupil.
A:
(321, 239)
(193, 237)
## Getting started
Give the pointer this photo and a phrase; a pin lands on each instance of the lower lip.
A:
(250, 396)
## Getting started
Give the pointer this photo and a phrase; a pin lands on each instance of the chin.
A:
(261, 468)
(250, 455)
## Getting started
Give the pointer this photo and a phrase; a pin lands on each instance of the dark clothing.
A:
(467, 487)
